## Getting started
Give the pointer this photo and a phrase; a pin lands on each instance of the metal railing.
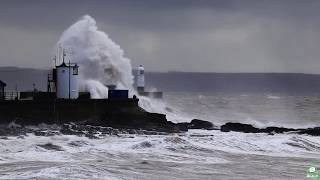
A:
(10, 95)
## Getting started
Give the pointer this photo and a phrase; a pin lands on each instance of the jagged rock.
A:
(239, 127)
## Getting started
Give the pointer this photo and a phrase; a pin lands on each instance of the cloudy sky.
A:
(173, 35)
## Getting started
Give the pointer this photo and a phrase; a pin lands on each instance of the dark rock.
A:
(276, 130)
(247, 128)
(50, 146)
(200, 124)
(183, 126)
(197, 124)
(239, 127)
(310, 131)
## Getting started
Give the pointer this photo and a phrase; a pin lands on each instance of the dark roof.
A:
(62, 65)
(2, 83)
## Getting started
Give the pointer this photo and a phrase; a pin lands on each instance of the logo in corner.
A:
(312, 172)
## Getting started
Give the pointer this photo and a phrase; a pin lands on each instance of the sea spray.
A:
(97, 90)
(101, 60)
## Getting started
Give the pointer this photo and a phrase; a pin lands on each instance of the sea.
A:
(196, 154)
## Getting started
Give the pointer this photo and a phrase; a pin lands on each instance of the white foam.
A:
(101, 60)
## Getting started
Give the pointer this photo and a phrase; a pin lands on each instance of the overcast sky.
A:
(173, 35)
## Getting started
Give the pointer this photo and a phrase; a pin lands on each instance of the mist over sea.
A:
(284, 100)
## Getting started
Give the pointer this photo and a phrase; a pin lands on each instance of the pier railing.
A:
(11, 95)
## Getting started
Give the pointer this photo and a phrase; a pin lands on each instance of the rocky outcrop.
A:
(248, 128)
(311, 131)
(197, 124)
(238, 127)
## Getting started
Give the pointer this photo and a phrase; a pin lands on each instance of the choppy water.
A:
(197, 154)
(259, 109)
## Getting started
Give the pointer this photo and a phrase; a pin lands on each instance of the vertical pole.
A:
(69, 80)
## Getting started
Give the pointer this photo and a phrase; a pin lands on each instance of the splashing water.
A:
(101, 60)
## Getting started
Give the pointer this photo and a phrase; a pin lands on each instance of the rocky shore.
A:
(97, 131)
(248, 128)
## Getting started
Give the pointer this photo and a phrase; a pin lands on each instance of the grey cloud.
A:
(182, 35)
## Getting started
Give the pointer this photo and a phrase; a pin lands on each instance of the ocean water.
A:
(196, 154)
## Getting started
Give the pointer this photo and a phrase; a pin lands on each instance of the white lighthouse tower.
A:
(67, 85)
(140, 79)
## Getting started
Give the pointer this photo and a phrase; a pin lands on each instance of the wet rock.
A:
(248, 128)
(201, 124)
(183, 126)
(196, 124)
(272, 130)
(239, 127)
(310, 131)
(50, 146)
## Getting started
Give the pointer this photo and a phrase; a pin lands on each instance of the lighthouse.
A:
(140, 85)
(67, 81)
(140, 79)
(63, 79)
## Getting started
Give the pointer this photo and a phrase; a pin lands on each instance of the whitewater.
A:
(196, 154)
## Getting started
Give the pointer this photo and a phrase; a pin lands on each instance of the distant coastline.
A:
(23, 78)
